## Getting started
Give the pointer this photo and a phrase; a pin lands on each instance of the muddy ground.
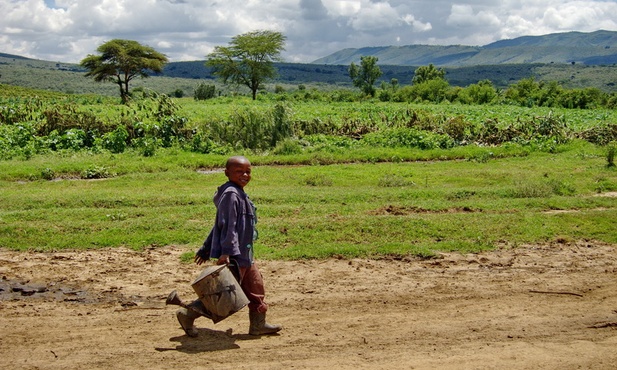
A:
(530, 307)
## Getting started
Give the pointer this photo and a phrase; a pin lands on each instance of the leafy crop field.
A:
(352, 179)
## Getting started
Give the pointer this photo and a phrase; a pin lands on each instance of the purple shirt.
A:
(234, 227)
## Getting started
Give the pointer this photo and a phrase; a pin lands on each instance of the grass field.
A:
(347, 209)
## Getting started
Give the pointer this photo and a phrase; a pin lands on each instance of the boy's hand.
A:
(199, 260)
(223, 260)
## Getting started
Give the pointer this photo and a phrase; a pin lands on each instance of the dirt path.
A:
(551, 307)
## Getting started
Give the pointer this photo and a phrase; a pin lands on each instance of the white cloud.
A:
(374, 17)
(464, 16)
(68, 30)
(416, 24)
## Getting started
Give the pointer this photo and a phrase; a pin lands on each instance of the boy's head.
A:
(238, 170)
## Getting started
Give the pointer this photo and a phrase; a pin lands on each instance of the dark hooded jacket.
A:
(234, 226)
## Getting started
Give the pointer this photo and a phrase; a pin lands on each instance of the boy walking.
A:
(231, 243)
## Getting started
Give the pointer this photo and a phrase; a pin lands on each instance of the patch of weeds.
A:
(603, 185)
(461, 194)
(48, 174)
(542, 189)
(562, 188)
(287, 147)
(481, 157)
(187, 257)
(117, 216)
(425, 253)
(584, 155)
(147, 146)
(530, 189)
(394, 180)
(317, 180)
(610, 154)
(96, 172)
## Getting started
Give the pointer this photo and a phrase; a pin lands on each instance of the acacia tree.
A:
(120, 61)
(249, 58)
(366, 74)
(427, 73)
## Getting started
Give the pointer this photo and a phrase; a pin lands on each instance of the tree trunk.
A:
(123, 96)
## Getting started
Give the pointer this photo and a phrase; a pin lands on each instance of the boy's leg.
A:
(187, 316)
(252, 284)
(253, 287)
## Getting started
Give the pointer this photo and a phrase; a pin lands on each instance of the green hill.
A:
(595, 48)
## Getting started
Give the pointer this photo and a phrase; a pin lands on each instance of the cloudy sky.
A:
(68, 30)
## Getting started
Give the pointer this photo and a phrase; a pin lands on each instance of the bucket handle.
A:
(230, 289)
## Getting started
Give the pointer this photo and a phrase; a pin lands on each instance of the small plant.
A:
(317, 180)
(117, 216)
(48, 174)
(610, 154)
(96, 172)
(394, 180)
(482, 157)
(461, 194)
(530, 189)
(115, 141)
(187, 257)
(603, 185)
(287, 147)
(201, 143)
(204, 92)
(562, 188)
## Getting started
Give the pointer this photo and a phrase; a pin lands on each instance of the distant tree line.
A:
(429, 84)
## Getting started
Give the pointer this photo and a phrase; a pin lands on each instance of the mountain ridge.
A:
(592, 48)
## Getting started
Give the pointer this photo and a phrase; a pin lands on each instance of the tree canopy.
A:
(427, 73)
(366, 74)
(120, 61)
(248, 59)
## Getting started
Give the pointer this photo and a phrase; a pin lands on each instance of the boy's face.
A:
(239, 174)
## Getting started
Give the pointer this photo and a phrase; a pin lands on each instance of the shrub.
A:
(48, 174)
(287, 147)
(116, 140)
(96, 172)
(147, 146)
(204, 92)
(610, 154)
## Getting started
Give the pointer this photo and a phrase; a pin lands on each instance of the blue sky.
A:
(68, 30)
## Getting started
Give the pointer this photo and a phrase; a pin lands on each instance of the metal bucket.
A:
(219, 291)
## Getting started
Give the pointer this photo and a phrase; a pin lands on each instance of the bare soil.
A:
(530, 307)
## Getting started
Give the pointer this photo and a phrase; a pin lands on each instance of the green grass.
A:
(362, 208)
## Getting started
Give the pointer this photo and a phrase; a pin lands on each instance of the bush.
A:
(287, 147)
(201, 144)
(610, 154)
(116, 140)
(204, 92)
(96, 172)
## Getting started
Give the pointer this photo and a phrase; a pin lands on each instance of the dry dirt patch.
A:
(549, 306)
